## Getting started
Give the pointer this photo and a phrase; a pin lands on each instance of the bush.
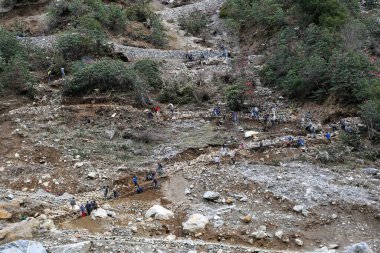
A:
(117, 20)
(9, 45)
(157, 37)
(235, 97)
(195, 23)
(244, 14)
(149, 73)
(16, 76)
(73, 46)
(66, 12)
(326, 13)
(352, 140)
(177, 94)
(105, 75)
(139, 11)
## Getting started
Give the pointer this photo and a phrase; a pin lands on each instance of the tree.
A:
(370, 114)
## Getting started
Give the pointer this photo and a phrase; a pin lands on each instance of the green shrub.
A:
(149, 72)
(244, 14)
(117, 19)
(67, 12)
(177, 94)
(73, 46)
(105, 75)
(350, 76)
(139, 11)
(16, 76)
(235, 97)
(157, 37)
(38, 58)
(195, 23)
(9, 45)
(327, 13)
(353, 140)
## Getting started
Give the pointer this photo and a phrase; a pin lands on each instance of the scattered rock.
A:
(298, 241)
(195, 223)
(110, 133)
(247, 218)
(229, 200)
(159, 213)
(171, 237)
(10, 196)
(279, 234)
(333, 246)
(22, 246)
(48, 225)
(92, 175)
(360, 247)
(298, 208)
(81, 247)
(260, 233)
(210, 195)
(4, 215)
(78, 164)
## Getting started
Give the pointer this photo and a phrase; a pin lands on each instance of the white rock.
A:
(298, 241)
(210, 195)
(171, 237)
(92, 175)
(100, 212)
(159, 213)
(279, 234)
(17, 155)
(80, 247)
(78, 164)
(195, 222)
(298, 208)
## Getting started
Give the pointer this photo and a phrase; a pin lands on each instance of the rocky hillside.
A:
(167, 105)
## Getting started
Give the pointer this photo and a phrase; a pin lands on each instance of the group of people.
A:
(84, 209)
(110, 194)
(150, 175)
(157, 110)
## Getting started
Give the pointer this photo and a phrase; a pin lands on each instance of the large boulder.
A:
(159, 213)
(22, 246)
(360, 247)
(81, 247)
(20, 230)
(210, 195)
(195, 223)
(100, 212)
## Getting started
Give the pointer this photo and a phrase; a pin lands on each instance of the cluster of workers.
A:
(150, 175)
(85, 209)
